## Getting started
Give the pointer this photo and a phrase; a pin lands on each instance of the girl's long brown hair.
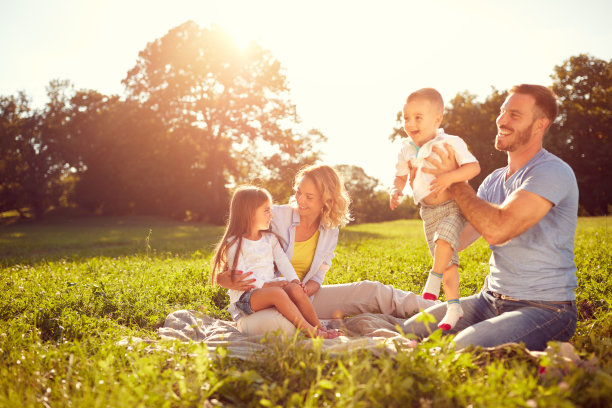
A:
(245, 201)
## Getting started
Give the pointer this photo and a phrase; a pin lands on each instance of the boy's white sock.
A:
(454, 312)
(432, 286)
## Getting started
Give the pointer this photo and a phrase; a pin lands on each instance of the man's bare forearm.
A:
(483, 216)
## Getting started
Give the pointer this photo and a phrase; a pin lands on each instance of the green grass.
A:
(73, 288)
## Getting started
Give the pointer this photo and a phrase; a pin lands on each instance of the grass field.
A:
(73, 288)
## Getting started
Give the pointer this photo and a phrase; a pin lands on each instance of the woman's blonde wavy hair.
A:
(330, 185)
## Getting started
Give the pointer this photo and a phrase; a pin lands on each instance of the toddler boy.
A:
(442, 219)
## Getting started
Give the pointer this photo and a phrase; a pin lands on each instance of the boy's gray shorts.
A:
(443, 221)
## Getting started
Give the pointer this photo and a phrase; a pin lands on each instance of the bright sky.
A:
(350, 64)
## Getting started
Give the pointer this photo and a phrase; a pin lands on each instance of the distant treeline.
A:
(200, 115)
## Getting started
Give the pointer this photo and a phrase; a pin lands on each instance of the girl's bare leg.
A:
(301, 300)
(275, 296)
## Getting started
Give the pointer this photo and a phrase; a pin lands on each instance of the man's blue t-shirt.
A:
(539, 263)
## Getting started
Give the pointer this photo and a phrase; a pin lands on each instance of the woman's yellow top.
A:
(303, 253)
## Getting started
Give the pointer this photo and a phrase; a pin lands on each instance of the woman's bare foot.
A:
(331, 334)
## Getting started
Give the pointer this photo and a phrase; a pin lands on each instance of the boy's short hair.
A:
(545, 99)
(431, 95)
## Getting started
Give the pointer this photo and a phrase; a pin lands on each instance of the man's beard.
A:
(518, 139)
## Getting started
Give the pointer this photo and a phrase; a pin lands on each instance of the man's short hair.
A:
(545, 99)
(431, 95)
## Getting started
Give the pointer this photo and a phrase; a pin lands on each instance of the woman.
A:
(308, 229)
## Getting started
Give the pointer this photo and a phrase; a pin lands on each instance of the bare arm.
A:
(496, 223)
(397, 191)
(463, 173)
(500, 223)
(280, 283)
(311, 287)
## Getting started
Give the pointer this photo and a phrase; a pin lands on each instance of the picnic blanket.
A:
(375, 332)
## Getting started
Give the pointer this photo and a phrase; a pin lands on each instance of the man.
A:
(527, 212)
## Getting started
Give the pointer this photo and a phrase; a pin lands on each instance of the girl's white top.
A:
(260, 257)
(410, 153)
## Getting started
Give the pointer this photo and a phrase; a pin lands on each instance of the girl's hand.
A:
(238, 280)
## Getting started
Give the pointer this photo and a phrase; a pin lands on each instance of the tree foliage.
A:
(581, 136)
(32, 152)
(369, 203)
(474, 122)
(231, 107)
(127, 162)
(202, 115)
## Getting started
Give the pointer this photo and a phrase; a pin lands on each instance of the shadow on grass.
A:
(351, 235)
(86, 237)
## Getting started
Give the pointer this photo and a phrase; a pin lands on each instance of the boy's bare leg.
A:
(443, 253)
(442, 257)
(450, 281)
(276, 296)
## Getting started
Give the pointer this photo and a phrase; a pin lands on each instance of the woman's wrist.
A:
(312, 287)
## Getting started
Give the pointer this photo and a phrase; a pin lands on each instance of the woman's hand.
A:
(239, 281)
(301, 284)
(279, 283)
(311, 287)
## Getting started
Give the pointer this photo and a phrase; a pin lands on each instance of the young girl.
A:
(248, 245)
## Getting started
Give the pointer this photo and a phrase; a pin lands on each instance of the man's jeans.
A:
(490, 320)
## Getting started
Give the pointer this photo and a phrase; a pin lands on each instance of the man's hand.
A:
(441, 183)
(446, 162)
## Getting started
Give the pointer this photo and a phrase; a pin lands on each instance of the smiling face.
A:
(262, 217)
(515, 123)
(309, 199)
(421, 120)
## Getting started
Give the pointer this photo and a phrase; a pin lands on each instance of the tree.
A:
(231, 107)
(369, 203)
(474, 122)
(32, 161)
(581, 135)
(283, 166)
